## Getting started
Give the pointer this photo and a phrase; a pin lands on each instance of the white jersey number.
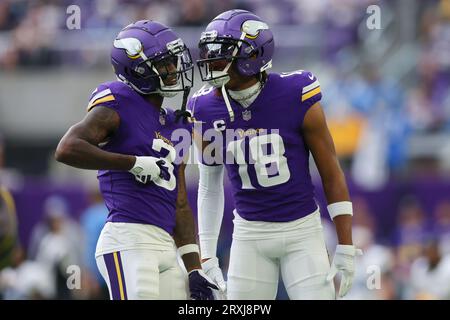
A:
(170, 184)
(270, 164)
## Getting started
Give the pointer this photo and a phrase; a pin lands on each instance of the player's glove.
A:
(213, 271)
(201, 286)
(147, 169)
(344, 261)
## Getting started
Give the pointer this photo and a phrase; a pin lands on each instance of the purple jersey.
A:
(263, 149)
(144, 131)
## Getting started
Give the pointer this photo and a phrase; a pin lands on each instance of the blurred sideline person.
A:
(57, 243)
(19, 278)
(56, 225)
(411, 231)
(430, 274)
(92, 221)
(8, 227)
(127, 136)
(27, 279)
(274, 121)
(441, 226)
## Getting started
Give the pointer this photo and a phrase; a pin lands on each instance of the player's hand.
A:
(212, 270)
(201, 286)
(344, 262)
(147, 169)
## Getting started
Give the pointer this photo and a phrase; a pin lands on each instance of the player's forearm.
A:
(184, 234)
(343, 225)
(191, 261)
(336, 191)
(335, 187)
(81, 154)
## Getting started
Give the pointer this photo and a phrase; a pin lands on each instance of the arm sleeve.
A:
(210, 205)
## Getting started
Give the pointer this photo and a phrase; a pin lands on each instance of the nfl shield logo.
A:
(246, 115)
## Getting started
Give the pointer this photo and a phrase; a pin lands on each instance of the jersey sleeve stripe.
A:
(313, 85)
(310, 94)
(100, 94)
(98, 101)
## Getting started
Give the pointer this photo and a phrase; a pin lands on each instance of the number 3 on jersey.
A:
(271, 168)
(170, 184)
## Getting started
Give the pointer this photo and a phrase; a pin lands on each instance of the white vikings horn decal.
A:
(132, 46)
(252, 28)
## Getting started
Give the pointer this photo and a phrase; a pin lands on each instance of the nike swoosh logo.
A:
(311, 76)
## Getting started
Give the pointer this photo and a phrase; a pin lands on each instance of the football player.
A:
(263, 127)
(127, 136)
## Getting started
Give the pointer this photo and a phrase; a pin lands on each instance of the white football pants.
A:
(261, 249)
(144, 266)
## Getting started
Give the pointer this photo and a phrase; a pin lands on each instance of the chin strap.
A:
(182, 113)
(227, 103)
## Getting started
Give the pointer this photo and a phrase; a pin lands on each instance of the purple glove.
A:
(200, 285)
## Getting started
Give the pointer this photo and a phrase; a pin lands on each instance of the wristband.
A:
(188, 248)
(340, 208)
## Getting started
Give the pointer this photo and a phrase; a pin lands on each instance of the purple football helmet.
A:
(151, 58)
(235, 35)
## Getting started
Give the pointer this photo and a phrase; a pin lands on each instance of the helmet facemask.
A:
(216, 56)
(173, 70)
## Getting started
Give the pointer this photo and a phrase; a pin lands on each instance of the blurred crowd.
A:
(31, 31)
(415, 264)
(387, 101)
